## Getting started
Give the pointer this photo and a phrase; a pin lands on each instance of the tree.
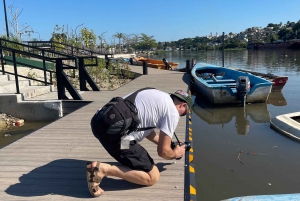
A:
(146, 42)
(14, 24)
(284, 33)
(134, 41)
(119, 36)
(59, 37)
(273, 38)
(89, 38)
(161, 46)
(101, 38)
(296, 26)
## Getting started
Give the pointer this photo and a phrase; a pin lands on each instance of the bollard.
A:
(106, 61)
(145, 69)
(188, 66)
(193, 63)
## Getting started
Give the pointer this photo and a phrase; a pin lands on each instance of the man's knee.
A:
(154, 176)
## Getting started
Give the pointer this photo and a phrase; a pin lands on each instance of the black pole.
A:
(44, 67)
(82, 82)
(145, 69)
(106, 61)
(60, 82)
(2, 61)
(188, 66)
(7, 32)
(223, 50)
(16, 71)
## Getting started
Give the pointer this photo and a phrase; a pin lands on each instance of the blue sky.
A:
(165, 20)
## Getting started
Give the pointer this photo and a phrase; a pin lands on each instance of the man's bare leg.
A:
(133, 176)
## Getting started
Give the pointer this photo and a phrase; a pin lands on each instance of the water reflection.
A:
(223, 115)
(220, 175)
(276, 99)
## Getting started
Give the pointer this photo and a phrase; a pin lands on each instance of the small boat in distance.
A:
(278, 81)
(154, 63)
(222, 85)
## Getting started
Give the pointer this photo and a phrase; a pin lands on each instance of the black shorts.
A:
(136, 157)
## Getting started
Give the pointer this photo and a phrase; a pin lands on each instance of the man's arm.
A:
(164, 149)
(153, 137)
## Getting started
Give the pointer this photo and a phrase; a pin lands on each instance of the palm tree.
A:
(146, 42)
(119, 36)
(101, 38)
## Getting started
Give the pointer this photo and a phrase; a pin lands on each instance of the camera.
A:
(187, 145)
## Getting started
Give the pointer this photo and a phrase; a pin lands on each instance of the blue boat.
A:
(221, 85)
(275, 197)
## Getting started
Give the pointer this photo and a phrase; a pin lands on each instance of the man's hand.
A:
(164, 149)
(179, 151)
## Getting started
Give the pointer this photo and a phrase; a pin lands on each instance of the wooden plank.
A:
(49, 164)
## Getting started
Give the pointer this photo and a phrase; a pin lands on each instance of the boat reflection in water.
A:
(257, 112)
(276, 99)
(222, 115)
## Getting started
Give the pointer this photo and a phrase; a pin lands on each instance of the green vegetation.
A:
(109, 78)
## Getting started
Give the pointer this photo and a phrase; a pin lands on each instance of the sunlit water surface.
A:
(236, 152)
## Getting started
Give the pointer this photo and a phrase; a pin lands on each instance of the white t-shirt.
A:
(156, 109)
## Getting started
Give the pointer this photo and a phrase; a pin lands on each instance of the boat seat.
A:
(223, 84)
(220, 81)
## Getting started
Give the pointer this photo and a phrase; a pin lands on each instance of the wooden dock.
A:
(49, 164)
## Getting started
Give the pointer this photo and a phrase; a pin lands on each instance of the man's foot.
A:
(94, 178)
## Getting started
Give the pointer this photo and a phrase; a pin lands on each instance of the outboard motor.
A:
(242, 88)
(168, 66)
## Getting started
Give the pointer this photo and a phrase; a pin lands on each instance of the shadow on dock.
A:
(66, 177)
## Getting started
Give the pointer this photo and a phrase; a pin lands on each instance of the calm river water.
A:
(236, 152)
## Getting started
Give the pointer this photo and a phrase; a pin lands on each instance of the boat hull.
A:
(159, 64)
(224, 90)
(278, 81)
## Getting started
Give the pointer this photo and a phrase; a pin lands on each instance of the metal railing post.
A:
(16, 71)
(51, 78)
(44, 67)
(223, 49)
(2, 62)
(82, 83)
(60, 82)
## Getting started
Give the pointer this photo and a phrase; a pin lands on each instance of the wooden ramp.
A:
(49, 164)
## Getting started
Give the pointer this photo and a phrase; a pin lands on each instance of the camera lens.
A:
(187, 146)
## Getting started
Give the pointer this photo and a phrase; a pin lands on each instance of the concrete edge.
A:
(190, 192)
(13, 104)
